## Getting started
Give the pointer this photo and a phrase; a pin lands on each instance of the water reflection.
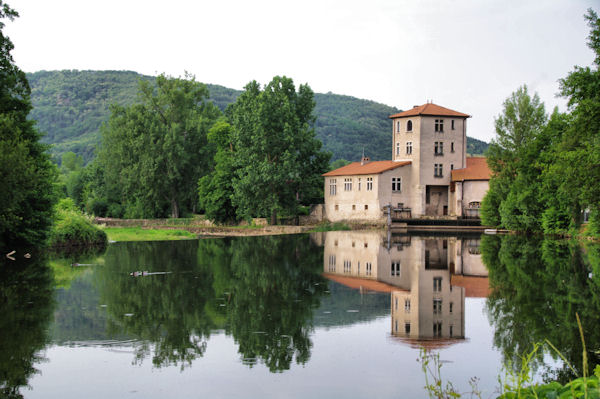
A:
(168, 297)
(538, 286)
(427, 277)
(270, 294)
(26, 308)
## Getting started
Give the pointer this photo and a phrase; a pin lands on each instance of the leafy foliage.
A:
(27, 194)
(153, 152)
(215, 190)
(513, 199)
(277, 159)
(70, 106)
(546, 172)
(73, 228)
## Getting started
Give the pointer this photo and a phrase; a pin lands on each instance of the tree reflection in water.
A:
(166, 311)
(538, 286)
(262, 291)
(271, 287)
(26, 306)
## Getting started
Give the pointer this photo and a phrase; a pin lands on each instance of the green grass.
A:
(139, 234)
(337, 226)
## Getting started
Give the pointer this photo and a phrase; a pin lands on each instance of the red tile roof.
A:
(369, 168)
(362, 283)
(475, 286)
(477, 169)
(429, 343)
(431, 110)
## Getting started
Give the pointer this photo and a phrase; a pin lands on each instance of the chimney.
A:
(365, 160)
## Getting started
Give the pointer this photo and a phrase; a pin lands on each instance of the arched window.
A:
(409, 126)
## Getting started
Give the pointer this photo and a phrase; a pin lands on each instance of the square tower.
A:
(434, 139)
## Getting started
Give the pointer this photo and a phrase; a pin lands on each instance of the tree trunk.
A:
(274, 217)
(174, 208)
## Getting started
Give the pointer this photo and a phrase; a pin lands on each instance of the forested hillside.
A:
(70, 106)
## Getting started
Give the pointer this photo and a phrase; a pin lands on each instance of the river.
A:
(299, 316)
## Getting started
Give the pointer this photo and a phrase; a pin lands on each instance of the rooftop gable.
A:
(477, 169)
(430, 109)
(368, 168)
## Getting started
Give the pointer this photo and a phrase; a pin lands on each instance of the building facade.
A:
(429, 144)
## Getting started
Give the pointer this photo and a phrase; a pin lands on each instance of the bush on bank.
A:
(73, 228)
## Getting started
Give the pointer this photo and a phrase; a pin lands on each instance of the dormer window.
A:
(408, 126)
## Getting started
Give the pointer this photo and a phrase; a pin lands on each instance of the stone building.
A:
(429, 145)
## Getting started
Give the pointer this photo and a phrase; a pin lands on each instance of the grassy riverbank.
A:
(141, 234)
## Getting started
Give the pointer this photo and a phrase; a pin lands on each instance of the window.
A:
(332, 187)
(437, 329)
(353, 208)
(437, 306)
(452, 124)
(397, 148)
(452, 146)
(439, 125)
(408, 147)
(451, 330)
(450, 307)
(335, 243)
(396, 325)
(337, 207)
(348, 184)
(437, 284)
(332, 263)
(439, 148)
(407, 328)
(368, 268)
(451, 166)
(359, 184)
(475, 204)
(396, 184)
(437, 170)
(398, 127)
(409, 126)
(347, 266)
(366, 245)
(396, 303)
(366, 207)
(353, 244)
(395, 269)
(369, 183)
(407, 305)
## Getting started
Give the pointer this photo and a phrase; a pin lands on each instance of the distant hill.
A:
(70, 106)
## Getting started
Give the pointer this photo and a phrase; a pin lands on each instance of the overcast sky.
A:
(468, 55)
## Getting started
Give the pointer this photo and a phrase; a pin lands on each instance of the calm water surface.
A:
(306, 316)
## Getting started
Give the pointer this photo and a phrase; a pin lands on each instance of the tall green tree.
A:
(513, 200)
(278, 159)
(156, 151)
(579, 156)
(216, 189)
(27, 193)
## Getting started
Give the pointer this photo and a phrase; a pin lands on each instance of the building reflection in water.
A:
(428, 279)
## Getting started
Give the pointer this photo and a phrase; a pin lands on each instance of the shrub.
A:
(72, 228)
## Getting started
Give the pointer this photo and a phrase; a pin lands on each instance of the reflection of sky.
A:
(356, 361)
